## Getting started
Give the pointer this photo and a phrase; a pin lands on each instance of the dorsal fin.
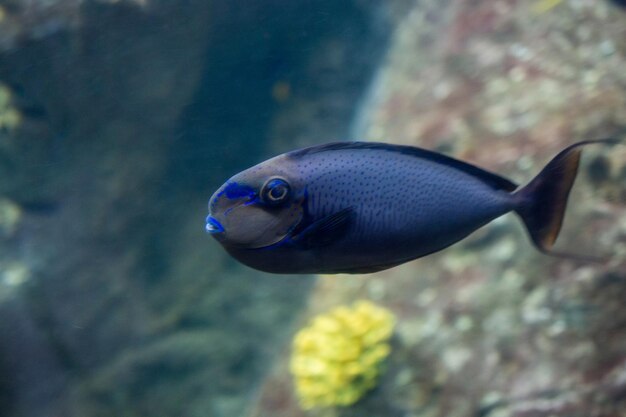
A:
(490, 178)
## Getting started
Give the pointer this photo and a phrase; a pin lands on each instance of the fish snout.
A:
(213, 226)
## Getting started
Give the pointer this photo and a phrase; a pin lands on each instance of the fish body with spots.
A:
(360, 207)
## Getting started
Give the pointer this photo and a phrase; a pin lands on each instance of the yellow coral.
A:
(543, 6)
(338, 357)
(10, 117)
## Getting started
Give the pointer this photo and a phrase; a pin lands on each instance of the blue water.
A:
(114, 301)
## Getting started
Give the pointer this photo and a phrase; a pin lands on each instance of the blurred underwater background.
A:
(119, 118)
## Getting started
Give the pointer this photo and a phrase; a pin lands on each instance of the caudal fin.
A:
(541, 203)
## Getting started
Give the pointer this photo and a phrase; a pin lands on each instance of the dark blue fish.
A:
(359, 207)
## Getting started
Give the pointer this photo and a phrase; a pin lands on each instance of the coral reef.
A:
(338, 357)
(10, 216)
(10, 117)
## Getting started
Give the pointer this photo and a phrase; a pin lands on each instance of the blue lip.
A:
(213, 226)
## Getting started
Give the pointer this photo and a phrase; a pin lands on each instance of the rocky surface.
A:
(490, 327)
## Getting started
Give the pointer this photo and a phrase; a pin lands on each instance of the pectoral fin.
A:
(326, 230)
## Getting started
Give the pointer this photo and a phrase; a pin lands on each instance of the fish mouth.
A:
(213, 226)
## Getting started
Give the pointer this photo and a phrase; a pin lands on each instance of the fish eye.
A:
(275, 191)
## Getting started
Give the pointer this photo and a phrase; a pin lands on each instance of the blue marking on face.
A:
(234, 190)
(213, 226)
(251, 201)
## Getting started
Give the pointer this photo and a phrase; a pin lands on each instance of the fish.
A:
(363, 207)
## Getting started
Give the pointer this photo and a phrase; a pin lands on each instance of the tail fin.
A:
(541, 203)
